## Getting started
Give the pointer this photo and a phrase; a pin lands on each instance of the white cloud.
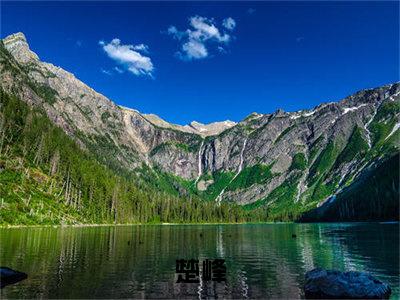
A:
(221, 49)
(106, 72)
(175, 32)
(120, 71)
(202, 34)
(195, 49)
(141, 47)
(129, 56)
(229, 23)
(206, 30)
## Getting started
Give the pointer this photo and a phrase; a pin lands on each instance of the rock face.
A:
(10, 276)
(330, 284)
(194, 127)
(301, 158)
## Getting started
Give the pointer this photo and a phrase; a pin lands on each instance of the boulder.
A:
(332, 284)
(10, 276)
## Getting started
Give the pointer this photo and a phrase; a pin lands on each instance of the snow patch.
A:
(302, 114)
(349, 109)
(394, 95)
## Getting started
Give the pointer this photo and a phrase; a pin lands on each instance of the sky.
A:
(213, 61)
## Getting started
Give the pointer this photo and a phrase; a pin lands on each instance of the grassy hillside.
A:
(373, 197)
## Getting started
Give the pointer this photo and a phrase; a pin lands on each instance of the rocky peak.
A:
(279, 113)
(299, 149)
(18, 46)
(211, 128)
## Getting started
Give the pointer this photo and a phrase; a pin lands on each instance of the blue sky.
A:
(188, 61)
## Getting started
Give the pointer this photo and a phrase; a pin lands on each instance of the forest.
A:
(47, 178)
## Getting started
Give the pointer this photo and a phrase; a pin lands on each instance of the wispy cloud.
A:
(130, 57)
(120, 71)
(202, 34)
(229, 23)
(107, 72)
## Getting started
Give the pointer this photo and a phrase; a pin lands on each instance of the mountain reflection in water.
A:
(263, 260)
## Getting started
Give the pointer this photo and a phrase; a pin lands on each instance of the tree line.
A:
(75, 178)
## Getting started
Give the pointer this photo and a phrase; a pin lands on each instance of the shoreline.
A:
(183, 224)
(134, 224)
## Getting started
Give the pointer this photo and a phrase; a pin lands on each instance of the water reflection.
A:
(139, 261)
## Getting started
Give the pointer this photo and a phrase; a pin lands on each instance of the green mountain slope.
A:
(46, 178)
(373, 197)
(70, 155)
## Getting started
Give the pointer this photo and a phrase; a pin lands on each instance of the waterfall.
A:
(241, 157)
(219, 197)
(367, 130)
(199, 163)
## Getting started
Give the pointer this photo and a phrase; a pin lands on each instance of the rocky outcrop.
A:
(194, 127)
(10, 276)
(209, 129)
(314, 153)
(331, 284)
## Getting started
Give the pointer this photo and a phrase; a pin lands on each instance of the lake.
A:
(139, 261)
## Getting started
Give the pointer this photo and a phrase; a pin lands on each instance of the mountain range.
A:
(336, 161)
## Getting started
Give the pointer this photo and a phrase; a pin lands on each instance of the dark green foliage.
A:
(380, 131)
(7, 61)
(281, 201)
(221, 180)
(383, 122)
(182, 146)
(251, 175)
(299, 162)
(166, 182)
(373, 197)
(103, 148)
(44, 91)
(387, 109)
(319, 187)
(33, 67)
(323, 163)
(356, 148)
(46, 178)
(283, 133)
(315, 148)
(84, 111)
(322, 190)
(104, 116)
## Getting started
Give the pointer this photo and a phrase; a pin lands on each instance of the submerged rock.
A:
(10, 276)
(331, 284)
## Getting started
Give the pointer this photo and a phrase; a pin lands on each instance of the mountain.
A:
(285, 163)
(194, 127)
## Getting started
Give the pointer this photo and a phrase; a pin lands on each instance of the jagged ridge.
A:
(337, 141)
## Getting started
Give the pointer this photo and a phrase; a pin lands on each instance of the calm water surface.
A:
(263, 261)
